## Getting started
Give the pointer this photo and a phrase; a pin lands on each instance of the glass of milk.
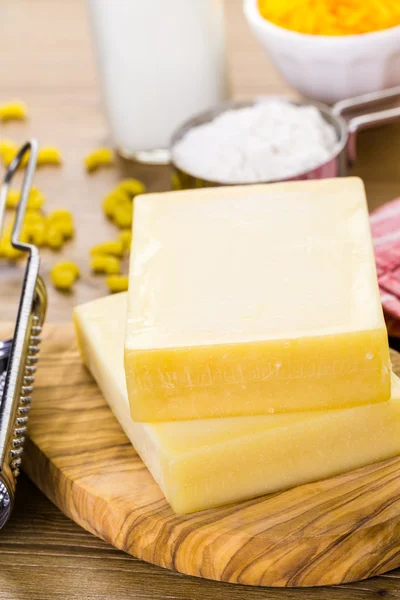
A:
(160, 62)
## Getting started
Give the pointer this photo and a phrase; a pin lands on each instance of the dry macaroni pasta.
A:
(64, 275)
(117, 283)
(100, 157)
(13, 111)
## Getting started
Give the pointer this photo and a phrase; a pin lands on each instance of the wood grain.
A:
(47, 61)
(338, 530)
(46, 556)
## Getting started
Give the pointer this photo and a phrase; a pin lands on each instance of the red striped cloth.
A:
(385, 227)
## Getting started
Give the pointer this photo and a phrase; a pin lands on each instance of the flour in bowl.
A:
(268, 141)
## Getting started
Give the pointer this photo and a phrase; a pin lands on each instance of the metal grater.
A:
(18, 357)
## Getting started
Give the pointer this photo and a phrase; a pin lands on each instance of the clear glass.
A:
(160, 63)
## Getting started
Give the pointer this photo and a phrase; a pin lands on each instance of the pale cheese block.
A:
(207, 463)
(253, 300)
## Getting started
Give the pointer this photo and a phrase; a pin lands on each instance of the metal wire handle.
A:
(23, 348)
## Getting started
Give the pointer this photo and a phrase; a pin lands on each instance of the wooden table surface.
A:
(46, 60)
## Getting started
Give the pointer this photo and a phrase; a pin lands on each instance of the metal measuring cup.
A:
(343, 153)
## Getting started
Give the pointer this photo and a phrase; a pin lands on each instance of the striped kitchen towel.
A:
(385, 227)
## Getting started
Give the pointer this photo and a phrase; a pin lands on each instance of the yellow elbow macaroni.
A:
(46, 156)
(33, 217)
(113, 248)
(36, 233)
(35, 201)
(100, 157)
(49, 155)
(126, 239)
(123, 217)
(114, 200)
(8, 151)
(54, 237)
(133, 187)
(64, 275)
(7, 250)
(12, 199)
(13, 111)
(110, 265)
(63, 221)
(117, 283)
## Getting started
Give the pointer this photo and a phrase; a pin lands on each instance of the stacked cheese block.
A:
(256, 354)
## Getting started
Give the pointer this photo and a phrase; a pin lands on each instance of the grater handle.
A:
(24, 347)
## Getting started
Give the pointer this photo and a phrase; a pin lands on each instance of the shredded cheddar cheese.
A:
(332, 17)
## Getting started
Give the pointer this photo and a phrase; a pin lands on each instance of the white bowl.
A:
(330, 68)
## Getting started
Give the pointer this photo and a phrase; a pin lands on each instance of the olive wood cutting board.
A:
(338, 530)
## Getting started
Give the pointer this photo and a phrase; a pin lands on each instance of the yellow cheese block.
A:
(207, 463)
(253, 300)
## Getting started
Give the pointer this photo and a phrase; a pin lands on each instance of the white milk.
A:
(161, 62)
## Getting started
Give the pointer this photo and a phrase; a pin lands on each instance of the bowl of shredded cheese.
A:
(330, 50)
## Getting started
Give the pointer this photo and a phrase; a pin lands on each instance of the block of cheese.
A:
(206, 463)
(254, 300)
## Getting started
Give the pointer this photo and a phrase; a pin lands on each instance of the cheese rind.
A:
(207, 463)
(254, 299)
